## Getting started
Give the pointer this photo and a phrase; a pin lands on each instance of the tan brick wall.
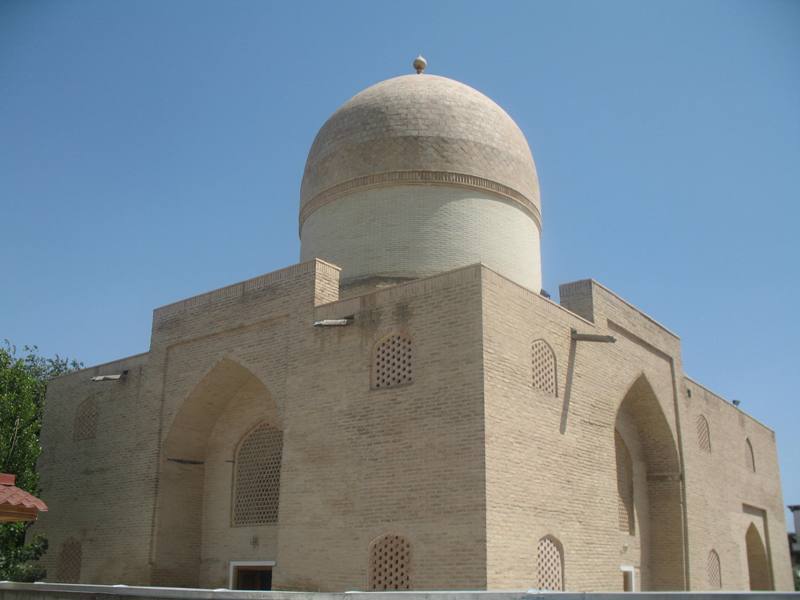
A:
(723, 490)
(407, 460)
(550, 461)
(470, 463)
(99, 489)
(244, 335)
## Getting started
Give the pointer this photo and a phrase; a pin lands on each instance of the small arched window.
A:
(389, 562)
(85, 424)
(714, 571)
(624, 485)
(257, 480)
(543, 362)
(550, 562)
(392, 363)
(69, 562)
(749, 456)
(703, 434)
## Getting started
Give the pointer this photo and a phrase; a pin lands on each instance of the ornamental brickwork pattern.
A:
(258, 477)
(85, 426)
(713, 570)
(69, 562)
(551, 565)
(703, 434)
(389, 564)
(543, 362)
(393, 362)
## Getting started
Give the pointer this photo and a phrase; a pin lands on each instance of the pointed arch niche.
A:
(758, 569)
(195, 532)
(649, 489)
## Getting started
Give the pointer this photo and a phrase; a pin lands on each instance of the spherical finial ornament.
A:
(419, 64)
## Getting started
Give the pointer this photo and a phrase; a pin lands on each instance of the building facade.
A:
(794, 545)
(404, 409)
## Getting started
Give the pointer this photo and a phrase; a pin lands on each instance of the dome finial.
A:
(420, 63)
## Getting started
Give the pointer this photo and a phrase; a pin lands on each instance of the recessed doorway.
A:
(628, 579)
(251, 575)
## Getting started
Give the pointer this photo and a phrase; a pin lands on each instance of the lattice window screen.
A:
(703, 434)
(393, 362)
(543, 360)
(85, 425)
(69, 562)
(749, 455)
(714, 571)
(258, 477)
(624, 485)
(389, 563)
(551, 565)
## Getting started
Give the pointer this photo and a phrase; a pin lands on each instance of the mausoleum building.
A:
(404, 409)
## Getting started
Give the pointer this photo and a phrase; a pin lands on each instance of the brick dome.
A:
(417, 125)
(418, 175)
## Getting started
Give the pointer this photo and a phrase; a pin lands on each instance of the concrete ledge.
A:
(62, 591)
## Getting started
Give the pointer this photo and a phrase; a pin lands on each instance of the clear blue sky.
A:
(152, 150)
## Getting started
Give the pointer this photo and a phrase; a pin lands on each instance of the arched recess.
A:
(646, 433)
(550, 564)
(714, 570)
(183, 488)
(703, 434)
(749, 456)
(757, 560)
(257, 477)
(543, 368)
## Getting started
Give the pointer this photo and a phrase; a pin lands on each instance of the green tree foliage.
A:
(23, 383)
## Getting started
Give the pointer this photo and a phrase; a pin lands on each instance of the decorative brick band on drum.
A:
(550, 560)
(258, 477)
(421, 178)
(389, 561)
(420, 230)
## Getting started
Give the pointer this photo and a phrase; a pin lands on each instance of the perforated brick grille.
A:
(69, 562)
(551, 569)
(258, 477)
(624, 485)
(389, 563)
(714, 571)
(85, 426)
(749, 456)
(703, 434)
(393, 362)
(544, 367)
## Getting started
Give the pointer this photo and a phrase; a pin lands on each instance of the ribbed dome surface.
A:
(424, 127)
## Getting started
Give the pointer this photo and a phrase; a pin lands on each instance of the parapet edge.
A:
(624, 301)
(104, 366)
(242, 287)
(728, 403)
